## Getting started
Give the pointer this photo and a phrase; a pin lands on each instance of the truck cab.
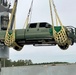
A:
(39, 33)
(38, 30)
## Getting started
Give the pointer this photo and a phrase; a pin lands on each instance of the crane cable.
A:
(60, 36)
(28, 15)
(10, 37)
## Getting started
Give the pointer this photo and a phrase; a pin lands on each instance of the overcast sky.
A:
(41, 13)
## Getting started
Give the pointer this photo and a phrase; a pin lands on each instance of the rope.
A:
(29, 15)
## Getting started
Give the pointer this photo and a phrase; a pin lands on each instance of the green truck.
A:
(39, 34)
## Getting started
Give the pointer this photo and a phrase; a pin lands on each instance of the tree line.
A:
(10, 63)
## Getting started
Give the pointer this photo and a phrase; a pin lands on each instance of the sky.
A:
(41, 13)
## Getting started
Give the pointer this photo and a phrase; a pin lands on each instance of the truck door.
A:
(31, 31)
(43, 30)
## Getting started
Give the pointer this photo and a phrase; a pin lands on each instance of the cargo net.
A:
(60, 37)
(10, 39)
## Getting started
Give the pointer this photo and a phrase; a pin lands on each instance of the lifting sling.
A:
(59, 36)
(28, 15)
(10, 37)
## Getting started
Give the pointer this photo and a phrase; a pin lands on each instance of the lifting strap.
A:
(28, 15)
(10, 37)
(60, 36)
(26, 23)
(15, 44)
